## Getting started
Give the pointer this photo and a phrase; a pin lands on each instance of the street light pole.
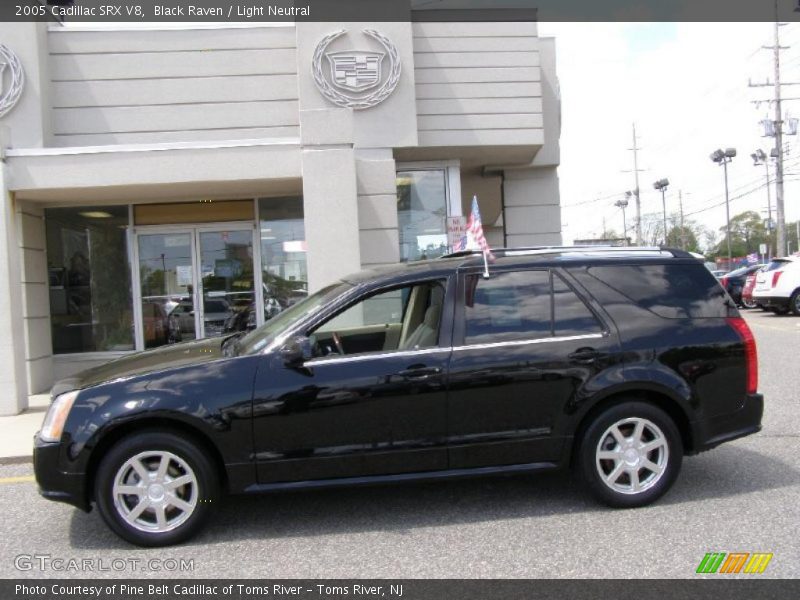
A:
(723, 158)
(727, 214)
(623, 203)
(661, 185)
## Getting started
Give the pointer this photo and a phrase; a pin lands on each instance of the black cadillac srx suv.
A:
(616, 361)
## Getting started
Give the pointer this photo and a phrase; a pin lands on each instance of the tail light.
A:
(775, 277)
(751, 356)
(724, 282)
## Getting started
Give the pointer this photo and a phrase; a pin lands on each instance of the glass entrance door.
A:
(227, 280)
(194, 283)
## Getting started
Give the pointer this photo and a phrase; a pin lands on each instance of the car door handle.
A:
(584, 355)
(419, 372)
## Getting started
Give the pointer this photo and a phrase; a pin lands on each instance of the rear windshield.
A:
(776, 264)
(737, 272)
(673, 291)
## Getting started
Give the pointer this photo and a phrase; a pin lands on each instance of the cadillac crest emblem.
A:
(12, 79)
(357, 79)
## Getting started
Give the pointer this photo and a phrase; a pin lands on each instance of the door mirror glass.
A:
(295, 351)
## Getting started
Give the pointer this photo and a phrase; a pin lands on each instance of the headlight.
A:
(56, 416)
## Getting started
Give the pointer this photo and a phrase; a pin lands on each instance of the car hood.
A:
(167, 357)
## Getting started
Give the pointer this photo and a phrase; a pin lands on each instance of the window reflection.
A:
(89, 279)
(283, 256)
(422, 214)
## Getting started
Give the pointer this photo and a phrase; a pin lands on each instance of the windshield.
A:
(259, 338)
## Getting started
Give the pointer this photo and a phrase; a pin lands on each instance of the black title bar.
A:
(730, 588)
(255, 11)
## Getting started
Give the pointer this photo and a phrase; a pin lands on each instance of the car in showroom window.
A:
(618, 362)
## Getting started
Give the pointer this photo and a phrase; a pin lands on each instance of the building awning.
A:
(141, 172)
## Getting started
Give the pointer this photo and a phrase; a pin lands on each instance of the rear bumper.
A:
(745, 421)
(55, 484)
(772, 301)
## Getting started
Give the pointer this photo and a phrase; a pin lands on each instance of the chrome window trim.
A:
(361, 357)
(544, 340)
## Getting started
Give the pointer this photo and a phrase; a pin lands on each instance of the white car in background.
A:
(778, 286)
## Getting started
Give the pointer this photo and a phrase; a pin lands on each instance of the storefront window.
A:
(90, 291)
(422, 213)
(283, 253)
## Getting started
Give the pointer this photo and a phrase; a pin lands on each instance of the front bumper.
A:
(55, 484)
(725, 428)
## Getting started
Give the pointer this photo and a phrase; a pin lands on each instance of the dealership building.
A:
(163, 183)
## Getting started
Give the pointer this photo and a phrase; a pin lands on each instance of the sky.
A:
(685, 85)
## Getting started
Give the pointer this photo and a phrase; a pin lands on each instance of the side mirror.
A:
(295, 351)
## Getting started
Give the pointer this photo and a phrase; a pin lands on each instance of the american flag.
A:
(473, 238)
(752, 259)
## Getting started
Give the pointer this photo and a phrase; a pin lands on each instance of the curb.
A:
(15, 460)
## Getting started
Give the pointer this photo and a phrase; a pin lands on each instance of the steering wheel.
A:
(337, 341)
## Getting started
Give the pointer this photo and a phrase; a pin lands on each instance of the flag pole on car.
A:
(473, 238)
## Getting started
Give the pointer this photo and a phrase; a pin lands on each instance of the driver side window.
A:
(405, 318)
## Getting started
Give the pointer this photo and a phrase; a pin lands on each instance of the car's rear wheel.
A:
(794, 303)
(630, 454)
(155, 488)
(748, 302)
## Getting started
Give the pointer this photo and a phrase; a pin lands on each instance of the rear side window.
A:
(672, 291)
(572, 316)
(507, 307)
(523, 305)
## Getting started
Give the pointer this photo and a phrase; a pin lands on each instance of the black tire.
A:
(794, 303)
(201, 492)
(749, 303)
(654, 420)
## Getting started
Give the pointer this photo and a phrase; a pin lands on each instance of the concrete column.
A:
(532, 208)
(13, 384)
(377, 208)
(35, 297)
(330, 208)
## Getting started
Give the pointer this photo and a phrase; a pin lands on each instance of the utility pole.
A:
(776, 130)
(779, 140)
(636, 189)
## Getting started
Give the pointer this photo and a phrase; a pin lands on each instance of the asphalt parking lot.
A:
(741, 497)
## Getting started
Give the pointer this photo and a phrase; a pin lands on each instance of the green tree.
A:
(688, 234)
(747, 234)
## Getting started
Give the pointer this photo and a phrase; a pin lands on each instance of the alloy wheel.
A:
(632, 455)
(155, 491)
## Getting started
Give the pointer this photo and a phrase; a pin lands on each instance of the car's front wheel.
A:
(630, 454)
(155, 488)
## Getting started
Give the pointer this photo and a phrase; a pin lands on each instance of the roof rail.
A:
(533, 250)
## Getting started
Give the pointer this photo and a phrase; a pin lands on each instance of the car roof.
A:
(513, 257)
